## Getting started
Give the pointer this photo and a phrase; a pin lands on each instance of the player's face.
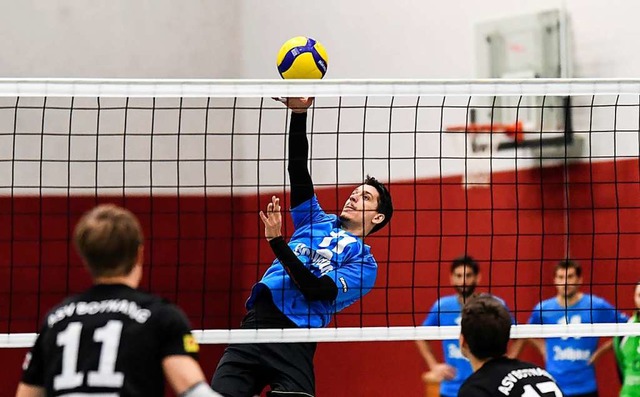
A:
(464, 280)
(567, 282)
(636, 296)
(361, 206)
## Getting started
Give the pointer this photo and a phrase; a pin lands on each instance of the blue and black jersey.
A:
(326, 250)
(324, 268)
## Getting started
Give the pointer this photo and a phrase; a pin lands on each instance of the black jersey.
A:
(507, 377)
(110, 340)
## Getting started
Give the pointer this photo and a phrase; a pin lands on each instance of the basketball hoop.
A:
(482, 143)
(514, 131)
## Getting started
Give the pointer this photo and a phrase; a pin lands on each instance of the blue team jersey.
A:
(567, 358)
(325, 249)
(447, 311)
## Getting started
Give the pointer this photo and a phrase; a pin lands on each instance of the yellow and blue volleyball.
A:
(302, 58)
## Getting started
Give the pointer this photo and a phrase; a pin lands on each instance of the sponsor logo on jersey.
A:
(333, 244)
(190, 344)
(317, 258)
(570, 354)
(345, 288)
(510, 380)
(122, 306)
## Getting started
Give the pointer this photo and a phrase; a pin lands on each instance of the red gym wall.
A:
(526, 215)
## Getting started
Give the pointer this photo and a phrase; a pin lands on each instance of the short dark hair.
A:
(108, 238)
(465, 260)
(567, 264)
(486, 326)
(385, 206)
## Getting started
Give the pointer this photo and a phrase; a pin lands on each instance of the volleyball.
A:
(302, 58)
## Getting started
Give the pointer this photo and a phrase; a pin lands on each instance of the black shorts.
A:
(246, 369)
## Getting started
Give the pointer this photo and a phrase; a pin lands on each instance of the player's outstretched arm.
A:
(25, 390)
(185, 377)
(312, 287)
(299, 177)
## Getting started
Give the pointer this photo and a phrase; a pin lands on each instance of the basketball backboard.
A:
(525, 46)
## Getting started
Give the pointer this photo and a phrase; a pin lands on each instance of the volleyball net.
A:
(518, 174)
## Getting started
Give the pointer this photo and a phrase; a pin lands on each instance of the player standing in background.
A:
(324, 268)
(113, 340)
(446, 311)
(627, 351)
(571, 360)
(484, 335)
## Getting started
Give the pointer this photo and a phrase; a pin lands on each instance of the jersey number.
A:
(544, 387)
(105, 376)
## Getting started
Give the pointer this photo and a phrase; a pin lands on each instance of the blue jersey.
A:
(567, 358)
(325, 249)
(447, 311)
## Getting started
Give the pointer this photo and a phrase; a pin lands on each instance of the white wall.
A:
(428, 39)
(119, 38)
(239, 39)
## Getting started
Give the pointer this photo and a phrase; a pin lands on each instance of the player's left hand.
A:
(272, 219)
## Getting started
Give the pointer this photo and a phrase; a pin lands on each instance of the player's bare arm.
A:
(25, 390)
(185, 377)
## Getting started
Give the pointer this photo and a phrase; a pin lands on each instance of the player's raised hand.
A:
(297, 105)
(272, 219)
(440, 372)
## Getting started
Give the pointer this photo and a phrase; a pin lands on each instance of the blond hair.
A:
(108, 238)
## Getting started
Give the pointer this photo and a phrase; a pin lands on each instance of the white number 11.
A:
(105, 376)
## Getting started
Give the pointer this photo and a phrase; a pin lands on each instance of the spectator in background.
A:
(571, 360)
(484, 336)
(465, 276)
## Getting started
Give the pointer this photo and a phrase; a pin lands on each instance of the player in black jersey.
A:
(113, 340)
(486, 326)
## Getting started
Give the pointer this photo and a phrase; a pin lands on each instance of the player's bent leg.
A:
(292, 368)
(238, 374)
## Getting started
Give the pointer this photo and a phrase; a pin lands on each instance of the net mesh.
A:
(197, 160)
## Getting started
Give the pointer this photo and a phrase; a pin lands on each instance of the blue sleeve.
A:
(355, 279)
(535, 315)
(608, 314)
(433, 318)
(309, 212)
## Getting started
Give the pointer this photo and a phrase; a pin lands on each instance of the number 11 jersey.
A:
(110, 339)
